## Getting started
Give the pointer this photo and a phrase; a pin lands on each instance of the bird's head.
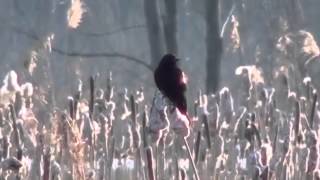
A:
(169, 60)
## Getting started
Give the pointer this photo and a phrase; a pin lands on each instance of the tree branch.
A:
(95, 55)
(32, 35)
(122, 29)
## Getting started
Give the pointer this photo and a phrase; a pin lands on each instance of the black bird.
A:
(171, 81)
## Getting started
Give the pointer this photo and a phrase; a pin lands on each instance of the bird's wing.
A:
(180, 80)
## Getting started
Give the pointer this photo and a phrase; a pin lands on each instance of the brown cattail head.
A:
(92, 94)
(109, 90)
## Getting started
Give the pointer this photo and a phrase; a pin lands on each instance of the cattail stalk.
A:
(297, 120)
(206, 130)
(313, 107)
(14, 124)
(150, 163)
(197, 147)
(138, 161)
(110, 158)
(71, 108)
(191, 160)
(91, 109)
(46, 164)
(274, 145)
(144, 126)
(91, 104)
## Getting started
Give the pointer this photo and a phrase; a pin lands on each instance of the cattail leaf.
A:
(206, 130)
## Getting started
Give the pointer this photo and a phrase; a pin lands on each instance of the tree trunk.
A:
(214, 45)
(170, 26)
(154, 31)
(295, 15)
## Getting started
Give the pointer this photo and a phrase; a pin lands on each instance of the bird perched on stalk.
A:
(172, 82)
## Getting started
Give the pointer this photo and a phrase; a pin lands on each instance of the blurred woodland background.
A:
(73, 39)
(78, 94)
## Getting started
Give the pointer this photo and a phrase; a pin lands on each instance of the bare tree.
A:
(170, 26)
(214, 45)
(154, 30)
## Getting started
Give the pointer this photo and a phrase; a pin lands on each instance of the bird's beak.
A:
(177, 60)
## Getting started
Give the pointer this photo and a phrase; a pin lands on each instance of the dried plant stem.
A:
(161, 158)
(144, 126)
(197, 147)
(191, 160)
(206, 130)
(297, 120)
(46, 164)
(150, 163)
(15, 130)
(16, 136)
(110, 158)
(157, 161)
(314, 102)
(138, 161)
(71, 108)
(176, 164)
(91, 109)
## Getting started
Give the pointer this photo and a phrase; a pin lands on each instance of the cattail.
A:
(190, 159)
(206, 130)
(133, 110)
(1, 119)
(101, 174)
(183, 174)
(55, 170)
(15, 130)
(18, 102)
(111, 154)
(307, 83)
(197, 147)
(5, 147)
(274, 144)
(150, 163)
(144, 126)
(313, 155)
(46, 164)
(90, 175)
(91, 104)
(11, 82)
(313, 108)
(158, 121)
(297, 120)
(71, 108)
(195, 108)
(226, 105)
(109, 91)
